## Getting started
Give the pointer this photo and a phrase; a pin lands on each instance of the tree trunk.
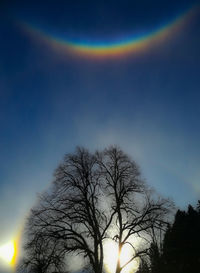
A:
(118, 267)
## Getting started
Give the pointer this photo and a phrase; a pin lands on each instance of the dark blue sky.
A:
(50, 102)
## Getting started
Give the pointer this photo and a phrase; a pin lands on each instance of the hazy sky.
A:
(52, 100)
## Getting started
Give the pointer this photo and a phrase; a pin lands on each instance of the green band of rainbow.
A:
(115, 49)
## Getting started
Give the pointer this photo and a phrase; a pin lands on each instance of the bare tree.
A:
(136, 212)
(73, 212)
(41, 254)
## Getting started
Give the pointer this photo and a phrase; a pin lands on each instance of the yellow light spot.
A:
(111, 256)
(8, 252)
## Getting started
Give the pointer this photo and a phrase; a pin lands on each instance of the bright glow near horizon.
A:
(111, 254)
(7, 252)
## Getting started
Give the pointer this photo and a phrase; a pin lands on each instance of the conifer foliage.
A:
(181, 246)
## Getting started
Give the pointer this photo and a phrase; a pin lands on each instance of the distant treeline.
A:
(180, 249)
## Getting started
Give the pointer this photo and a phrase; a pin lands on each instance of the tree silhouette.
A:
(71, 212)
(42, 255)
(181, 243)
(136, 213)
(95, 197)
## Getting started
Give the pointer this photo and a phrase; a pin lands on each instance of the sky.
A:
(62, 84)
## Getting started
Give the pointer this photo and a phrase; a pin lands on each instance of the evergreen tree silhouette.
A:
(181, 246)
(155, 258)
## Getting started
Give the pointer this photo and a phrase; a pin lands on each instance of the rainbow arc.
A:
(102, 50)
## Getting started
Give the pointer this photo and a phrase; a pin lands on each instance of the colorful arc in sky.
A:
(133, 45)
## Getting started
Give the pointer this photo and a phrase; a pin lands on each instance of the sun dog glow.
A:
(105, 50)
